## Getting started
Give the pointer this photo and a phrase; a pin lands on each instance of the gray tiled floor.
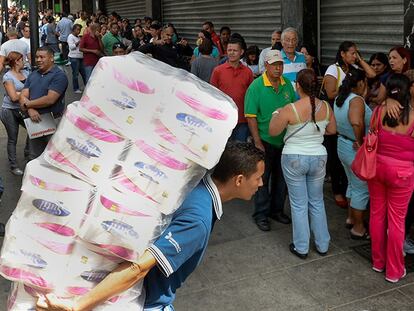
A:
(247, 269)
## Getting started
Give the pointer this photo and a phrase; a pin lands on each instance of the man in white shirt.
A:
(14, 45)
(276, 37)
(26, 37)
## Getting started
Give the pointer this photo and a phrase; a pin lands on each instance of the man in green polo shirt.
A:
(265, 95)
(110, 38)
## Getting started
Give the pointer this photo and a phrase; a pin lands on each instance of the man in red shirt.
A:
(209, 27)
(92, 48)
(233, 78)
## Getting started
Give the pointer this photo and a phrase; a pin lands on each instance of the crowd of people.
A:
(307, 132)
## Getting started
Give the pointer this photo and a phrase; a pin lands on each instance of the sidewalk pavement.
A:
(246, 269)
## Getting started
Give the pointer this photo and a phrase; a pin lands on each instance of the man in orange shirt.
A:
(233, 78)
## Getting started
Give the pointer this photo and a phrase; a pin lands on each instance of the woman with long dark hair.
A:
(347, 58)
(379, 63)
(352, 119)
(391, 188)
(304, 162)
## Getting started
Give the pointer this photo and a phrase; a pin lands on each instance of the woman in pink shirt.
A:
(391, 189)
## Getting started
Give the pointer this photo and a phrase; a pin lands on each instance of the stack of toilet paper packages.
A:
(120, 163)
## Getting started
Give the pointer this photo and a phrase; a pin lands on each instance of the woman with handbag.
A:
(304, 162)
(347, 57)
(352, 119)
(391, 188)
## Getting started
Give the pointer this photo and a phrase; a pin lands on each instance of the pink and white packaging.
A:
(199, 115)
(24, 298)
(159, 175)
(83, 147)
(121, 225)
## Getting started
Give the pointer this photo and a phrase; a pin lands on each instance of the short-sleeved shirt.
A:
(64, 28)
(262, 100)
(234, 82)
(39, 85)
(336, 71)
(18, 85)
(51, 37)
(215, 53)
(291, 68)
(203, 67)
(108, 42)
(91, 43)
(180, 249)
(15, 45)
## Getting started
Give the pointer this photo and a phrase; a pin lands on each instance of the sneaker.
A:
(397, 280)
(78, 92)
(408, 246)
(377, 269)
(67, 64)
(17, 171)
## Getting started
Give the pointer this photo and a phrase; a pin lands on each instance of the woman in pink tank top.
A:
(391, 189)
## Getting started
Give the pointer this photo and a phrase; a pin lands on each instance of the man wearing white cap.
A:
(265, 95)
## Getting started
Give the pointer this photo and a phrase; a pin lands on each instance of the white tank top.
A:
(307, 141)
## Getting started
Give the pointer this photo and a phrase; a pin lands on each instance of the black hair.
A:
(398, 88)
(24, 18)
(50, 19)
(76, 26)
(382, 58)
(224, 28)
(238, 158)
(206, 34)
(252, 50)
(118, 45)
(239, 37)
(351, 80)
(156, 26)
(210, 24)
(47, 49)
(309, 83)
(344, 47)
(238, 41)
(206, 47)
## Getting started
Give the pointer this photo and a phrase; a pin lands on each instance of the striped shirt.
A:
(291, 68)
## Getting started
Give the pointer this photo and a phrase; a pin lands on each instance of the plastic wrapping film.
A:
(24, 298)
(120, 163)
(83, 147)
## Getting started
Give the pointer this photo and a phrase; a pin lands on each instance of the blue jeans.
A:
(270, 198)
(304, 175)
(357, 190)
(77, 67)
(240, 133)
(88, 72)
(12, 120)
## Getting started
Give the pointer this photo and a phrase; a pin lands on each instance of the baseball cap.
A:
(273, 56)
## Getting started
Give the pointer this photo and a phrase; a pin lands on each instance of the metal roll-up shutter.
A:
(130, 9)
(254, 20)
(374, 25)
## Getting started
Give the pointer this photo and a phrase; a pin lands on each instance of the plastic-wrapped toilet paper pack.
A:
(24, 298)
(34, 255)
(42, 178)
(84, 148)
(199, 115)
(203, 121)
(130, 101)
(121, 225)
(159, 175)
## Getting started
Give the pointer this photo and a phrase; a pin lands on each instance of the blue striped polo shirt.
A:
(291, 68)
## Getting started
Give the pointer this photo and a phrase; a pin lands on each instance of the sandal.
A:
(364, 237)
